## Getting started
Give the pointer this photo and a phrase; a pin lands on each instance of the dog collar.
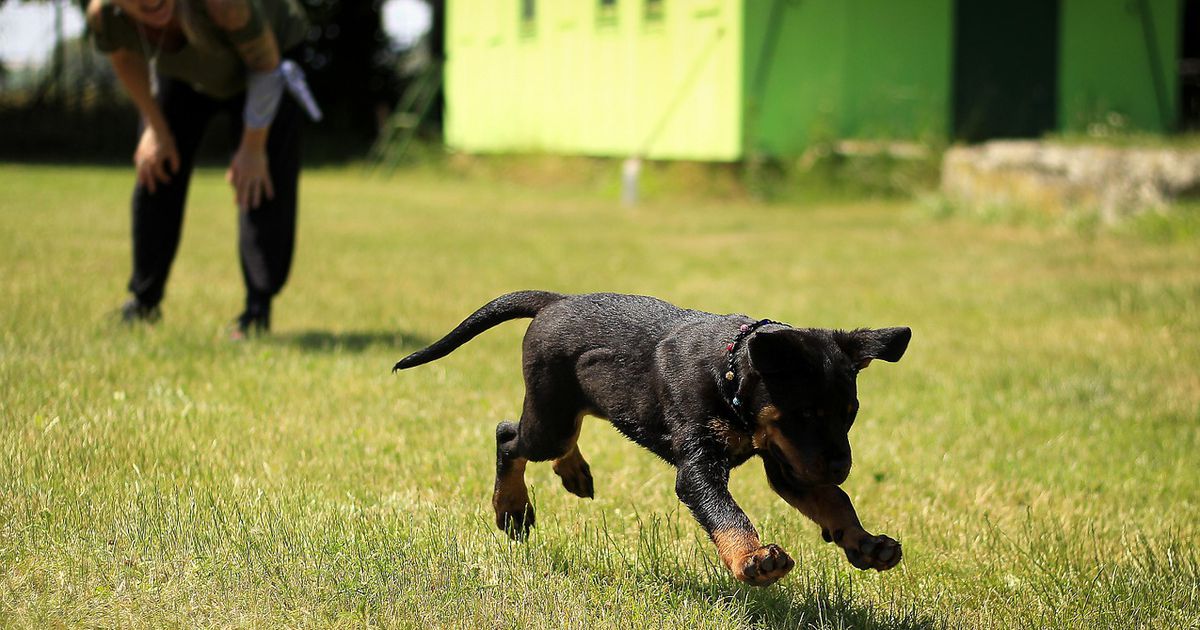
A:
(731, 377)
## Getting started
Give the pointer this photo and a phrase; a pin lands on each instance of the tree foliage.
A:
(352, 69)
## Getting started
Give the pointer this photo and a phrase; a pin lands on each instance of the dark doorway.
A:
(1005, 68)
(1189, 67)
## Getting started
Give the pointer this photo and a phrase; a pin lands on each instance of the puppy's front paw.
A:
(764, 566)
(874, 552)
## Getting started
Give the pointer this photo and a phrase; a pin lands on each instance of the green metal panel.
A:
(577, 79)
(820, 70)
(1117, 68)
(795, 68)
(719, 79)
(898, 69)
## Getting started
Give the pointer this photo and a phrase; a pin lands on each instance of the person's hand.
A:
(249, 177)
(155, 154)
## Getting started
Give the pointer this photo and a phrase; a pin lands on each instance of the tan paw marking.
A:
(764, 566)
(576, 474)
(749, 560)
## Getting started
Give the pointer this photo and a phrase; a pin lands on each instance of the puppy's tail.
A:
(508, 306)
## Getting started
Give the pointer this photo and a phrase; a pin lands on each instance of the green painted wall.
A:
(721, 79)
(824, 69)
(899, 68)
(576, 80)
(795, 69)
(1105, 65)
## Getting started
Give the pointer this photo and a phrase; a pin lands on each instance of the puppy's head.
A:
(808, 398)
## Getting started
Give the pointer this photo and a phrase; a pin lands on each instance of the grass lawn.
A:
(1037, 451)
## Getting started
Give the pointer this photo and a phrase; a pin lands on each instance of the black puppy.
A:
(704, 392)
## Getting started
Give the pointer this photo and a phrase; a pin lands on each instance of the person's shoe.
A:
(251, 323)
(134, 312)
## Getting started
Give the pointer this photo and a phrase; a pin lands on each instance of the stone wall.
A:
(1057, 178)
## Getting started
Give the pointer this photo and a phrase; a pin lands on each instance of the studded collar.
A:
(730, 381)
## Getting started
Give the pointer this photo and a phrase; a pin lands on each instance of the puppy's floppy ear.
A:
(776, 351)
(864, 345)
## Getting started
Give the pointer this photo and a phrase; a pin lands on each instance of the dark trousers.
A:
(266, 234)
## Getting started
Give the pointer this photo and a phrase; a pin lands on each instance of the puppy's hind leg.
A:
(594, 368)
(514, 512)
(573, 469)
(548, 430)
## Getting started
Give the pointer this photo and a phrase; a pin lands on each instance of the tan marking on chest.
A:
(737, 442)
(769, 414)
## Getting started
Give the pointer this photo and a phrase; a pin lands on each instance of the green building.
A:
(726, 79)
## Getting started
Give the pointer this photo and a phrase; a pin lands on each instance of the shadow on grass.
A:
(351, 341)
(814, 595)
(820, 605)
